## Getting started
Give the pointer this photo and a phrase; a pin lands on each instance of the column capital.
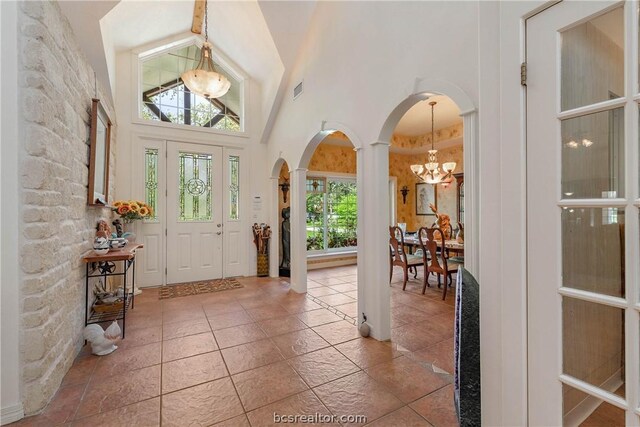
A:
(468, 112)
(380, 143)
(298, 170)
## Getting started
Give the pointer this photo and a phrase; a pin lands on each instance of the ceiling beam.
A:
(198, 16)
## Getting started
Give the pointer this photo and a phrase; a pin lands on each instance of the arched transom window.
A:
(165, 97)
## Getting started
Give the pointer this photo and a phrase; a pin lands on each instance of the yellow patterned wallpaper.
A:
(400, 167)
(333, 158)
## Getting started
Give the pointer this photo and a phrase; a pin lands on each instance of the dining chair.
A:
(399, 257)
(425, 253)
(438, 263)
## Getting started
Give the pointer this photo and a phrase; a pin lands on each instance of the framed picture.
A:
(426, 194)
(98, 193)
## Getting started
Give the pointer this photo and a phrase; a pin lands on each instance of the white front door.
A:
(194, 212)
(582, 214)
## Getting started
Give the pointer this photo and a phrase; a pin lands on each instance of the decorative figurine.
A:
(103, 229)
(285, 266)
(102, 342)
(118, 225)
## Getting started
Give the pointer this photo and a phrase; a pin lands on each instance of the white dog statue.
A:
(102, 342)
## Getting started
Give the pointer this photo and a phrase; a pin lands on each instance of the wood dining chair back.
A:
(438, 262)
(399, 257)
(428, 249)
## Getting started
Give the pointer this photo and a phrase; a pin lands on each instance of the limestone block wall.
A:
(57, 227)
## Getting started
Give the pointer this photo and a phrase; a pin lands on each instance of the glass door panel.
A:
(600, 413)
(593, 155)
(592, 64)
(593, 344)
(593, 250)
(582, 196)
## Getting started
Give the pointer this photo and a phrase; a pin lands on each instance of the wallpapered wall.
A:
(333, 158)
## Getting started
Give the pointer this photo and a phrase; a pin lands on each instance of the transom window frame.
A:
(150, 51)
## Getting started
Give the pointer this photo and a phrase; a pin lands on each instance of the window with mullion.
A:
(332, 214)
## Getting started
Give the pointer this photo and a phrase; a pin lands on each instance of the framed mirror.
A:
(98, 193)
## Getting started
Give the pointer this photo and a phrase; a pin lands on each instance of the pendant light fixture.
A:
(204, 80)
(430, 171)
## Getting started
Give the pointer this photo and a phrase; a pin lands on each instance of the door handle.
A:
(219, 233)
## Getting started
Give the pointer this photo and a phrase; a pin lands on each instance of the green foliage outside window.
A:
(332, 217)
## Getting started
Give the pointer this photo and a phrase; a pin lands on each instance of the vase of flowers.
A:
(131, 211)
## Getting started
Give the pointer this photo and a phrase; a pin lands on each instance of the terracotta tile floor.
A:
(235, 358)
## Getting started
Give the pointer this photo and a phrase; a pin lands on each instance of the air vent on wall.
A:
(297, 90)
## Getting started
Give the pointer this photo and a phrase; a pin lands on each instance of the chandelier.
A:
(430, 171)
(204, 80)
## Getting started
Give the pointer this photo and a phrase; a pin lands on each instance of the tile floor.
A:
(236, 357)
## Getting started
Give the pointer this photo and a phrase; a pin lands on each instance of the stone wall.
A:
(57, 228)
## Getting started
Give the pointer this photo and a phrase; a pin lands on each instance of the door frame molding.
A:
(137, 137)
(595, 395)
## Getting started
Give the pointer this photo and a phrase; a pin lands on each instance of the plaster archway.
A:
(421, 90)
(274, 217)
(298, 198)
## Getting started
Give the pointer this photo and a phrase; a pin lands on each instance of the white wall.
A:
(358, 68)
(254, 170)
(11, 401)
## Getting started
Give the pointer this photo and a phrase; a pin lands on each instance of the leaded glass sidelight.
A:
(194, 187)
(234, 187)
(151, 181)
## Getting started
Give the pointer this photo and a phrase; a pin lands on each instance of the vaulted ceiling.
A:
(261, 37)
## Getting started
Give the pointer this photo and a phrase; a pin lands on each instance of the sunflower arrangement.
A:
(132, 210)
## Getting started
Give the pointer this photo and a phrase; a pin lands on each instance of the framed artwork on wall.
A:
(426, 194)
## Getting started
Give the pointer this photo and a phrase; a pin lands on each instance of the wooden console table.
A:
(105, 266)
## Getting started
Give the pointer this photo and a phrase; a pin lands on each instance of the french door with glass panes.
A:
(194, 190)
(582, 214)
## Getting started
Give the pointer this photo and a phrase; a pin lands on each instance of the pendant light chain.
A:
(204, 80)
(433, 104)
(206, 20)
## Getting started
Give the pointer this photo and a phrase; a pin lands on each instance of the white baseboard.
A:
(11, 414)
(585, 408)
(330, 263)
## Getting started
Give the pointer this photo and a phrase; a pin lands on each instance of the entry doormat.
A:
(199, 287)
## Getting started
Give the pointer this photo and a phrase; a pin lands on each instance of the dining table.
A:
(451, 245)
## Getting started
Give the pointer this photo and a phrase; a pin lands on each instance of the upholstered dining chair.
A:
(399, 257)
(438, 262)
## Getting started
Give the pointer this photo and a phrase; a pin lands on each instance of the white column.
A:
(274, 222)
(11, 396)
(298, 192)
(373, 259)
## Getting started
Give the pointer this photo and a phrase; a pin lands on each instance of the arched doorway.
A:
(347, 139)
(281, 199)
(423, 90)
(331, 225)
